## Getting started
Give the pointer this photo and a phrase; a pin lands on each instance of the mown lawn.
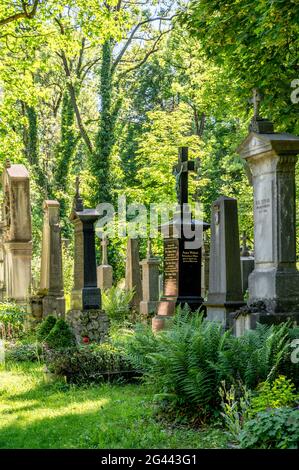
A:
(35, 414)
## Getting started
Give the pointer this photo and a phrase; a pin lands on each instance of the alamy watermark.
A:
(135, 220)
(295, 352)
(295, 92)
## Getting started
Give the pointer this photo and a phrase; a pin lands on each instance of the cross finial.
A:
(104, 249)
(245, 249)
(149, 253)
(256, 101)
(78, 201)
(257, 123)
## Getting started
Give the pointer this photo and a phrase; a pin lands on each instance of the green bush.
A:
(272, 429)
(116, 303)
(90, 364)
(188, 362)
(60, 336)
(45, 327)
(12, 317)
(281, 393)
(23, 352)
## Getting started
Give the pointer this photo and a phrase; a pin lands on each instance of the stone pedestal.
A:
(150, 284)
(133, 277)
(225, 288)
(51, 279)
(18, 257)
(91, 324)
(17, 236)
(275, 280)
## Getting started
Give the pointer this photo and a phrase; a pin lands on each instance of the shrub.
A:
(60, 336)
(116, 303)
(90, 364)
(23, 352)
(281, 393)
(45, 327)
(272, 429)
(12, 318)
(187, 363)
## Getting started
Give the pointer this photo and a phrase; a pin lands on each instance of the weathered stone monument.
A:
(105, 271)
(2, 278)
(51, 278)
(182, 261)
(272, 158)
(17, 236)
(247, 263)
(150, 283)
(133, 277)
(205, 270)
(86, 317)
(225, 288)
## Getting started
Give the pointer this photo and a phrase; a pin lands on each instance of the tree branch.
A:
(73, 96)
(147, 55)
(22, 14)
(131, 37)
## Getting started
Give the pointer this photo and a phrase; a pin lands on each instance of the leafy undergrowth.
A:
(36, 414)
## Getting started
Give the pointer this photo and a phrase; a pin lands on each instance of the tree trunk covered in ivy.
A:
(101, 158)
(67, 143)
(65, 151)
(31, 148)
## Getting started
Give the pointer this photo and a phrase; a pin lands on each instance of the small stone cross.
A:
(104, 250)
(256, 101)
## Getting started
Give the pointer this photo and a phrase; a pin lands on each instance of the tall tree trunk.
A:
(67, 145)
(31, 149)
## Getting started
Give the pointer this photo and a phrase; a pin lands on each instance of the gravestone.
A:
(182, 264)
(150, 283)
(133, 276)
(17, 235)
(247, 263)
(86, 318)
(205, 267)
(272, 158)
(104, 271)
(2, 276)
(225, 288)
(51, 279)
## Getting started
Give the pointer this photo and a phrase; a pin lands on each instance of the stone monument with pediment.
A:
(272, 157)
(17, 233)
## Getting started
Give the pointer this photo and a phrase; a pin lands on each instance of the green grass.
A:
(35, 414)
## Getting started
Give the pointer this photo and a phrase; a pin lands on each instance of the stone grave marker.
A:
(133, 276)
(104, 271)
(272, 158)
(182, 266)
(150, 283)
(225, 287)
(87, 319)
(17, 234)
(51, 279)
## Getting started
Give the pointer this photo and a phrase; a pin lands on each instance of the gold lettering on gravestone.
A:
(171, 268)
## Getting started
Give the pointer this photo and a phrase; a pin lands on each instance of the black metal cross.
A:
(180, 170)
